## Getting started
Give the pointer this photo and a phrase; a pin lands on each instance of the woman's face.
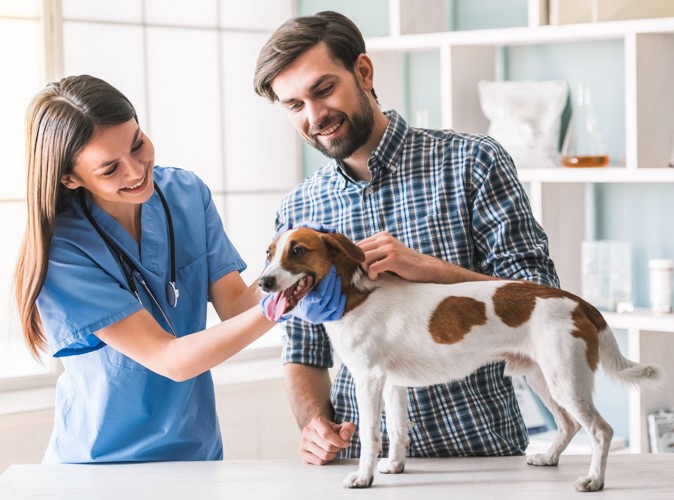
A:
(115, 167)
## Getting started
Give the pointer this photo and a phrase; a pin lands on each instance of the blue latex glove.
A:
(324, 303)
(316, 226)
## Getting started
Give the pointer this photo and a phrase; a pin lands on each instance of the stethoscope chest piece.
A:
(172, 294)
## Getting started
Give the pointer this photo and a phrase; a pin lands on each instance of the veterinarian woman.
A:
(119, 260)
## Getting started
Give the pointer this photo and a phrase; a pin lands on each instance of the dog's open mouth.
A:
(286, 300)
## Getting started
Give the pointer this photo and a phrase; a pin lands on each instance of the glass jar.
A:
(660, 274)
(584, 145)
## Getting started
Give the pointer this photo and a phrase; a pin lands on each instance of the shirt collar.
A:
(391, 145)
(388, 151)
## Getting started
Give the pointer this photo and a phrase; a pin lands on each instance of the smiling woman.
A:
(182, 69)
(100, 218)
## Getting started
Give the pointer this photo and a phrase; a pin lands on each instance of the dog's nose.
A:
(267, 283)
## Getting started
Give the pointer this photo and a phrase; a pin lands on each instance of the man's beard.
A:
(360, 123)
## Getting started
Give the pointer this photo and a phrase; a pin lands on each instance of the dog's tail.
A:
(625, 370)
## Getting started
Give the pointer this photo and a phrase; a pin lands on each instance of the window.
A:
(188, 67)
(22, 64)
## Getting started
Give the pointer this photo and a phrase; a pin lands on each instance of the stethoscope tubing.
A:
(154, 299)
(130, 270)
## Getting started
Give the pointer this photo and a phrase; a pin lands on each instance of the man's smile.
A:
(332, 129)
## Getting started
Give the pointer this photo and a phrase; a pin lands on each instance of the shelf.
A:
(521, 36)
(641, 319)
(628, 64)
(599, 175)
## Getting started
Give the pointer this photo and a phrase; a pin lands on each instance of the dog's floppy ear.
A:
(342, 244)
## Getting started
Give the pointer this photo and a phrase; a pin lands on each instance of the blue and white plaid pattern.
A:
(456, 197)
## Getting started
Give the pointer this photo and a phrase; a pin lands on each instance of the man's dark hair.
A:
(300, 34)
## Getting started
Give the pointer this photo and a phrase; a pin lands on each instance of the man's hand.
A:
(384, 253)
(322, 440)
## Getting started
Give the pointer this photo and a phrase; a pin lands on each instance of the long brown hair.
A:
(60, 121)
(300, 34)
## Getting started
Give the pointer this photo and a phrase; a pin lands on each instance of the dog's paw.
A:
(356, 480)
(387, 466)
(541, 459)
(588, 483)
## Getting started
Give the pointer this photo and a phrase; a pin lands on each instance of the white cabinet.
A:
(561, 197)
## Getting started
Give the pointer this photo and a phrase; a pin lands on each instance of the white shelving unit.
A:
(559, 196)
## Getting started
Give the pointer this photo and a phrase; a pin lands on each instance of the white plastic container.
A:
(661, 272)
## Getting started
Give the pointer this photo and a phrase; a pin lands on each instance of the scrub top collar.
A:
(144, 253)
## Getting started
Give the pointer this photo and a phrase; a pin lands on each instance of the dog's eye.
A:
(298, 251)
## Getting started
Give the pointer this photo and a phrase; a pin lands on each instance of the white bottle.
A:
(661, 284)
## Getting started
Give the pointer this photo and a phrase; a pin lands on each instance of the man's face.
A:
(325, 103)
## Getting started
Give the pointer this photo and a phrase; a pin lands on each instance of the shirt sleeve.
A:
(306, 344)
(77, 299)
(509, 242)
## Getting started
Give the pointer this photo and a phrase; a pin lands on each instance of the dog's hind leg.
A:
(567, 427)
(600, 433)
(369, 391)
(395, 402)
(573, 391)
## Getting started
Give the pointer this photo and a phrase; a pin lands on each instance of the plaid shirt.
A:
(456, 197)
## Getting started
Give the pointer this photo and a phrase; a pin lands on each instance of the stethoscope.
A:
(130, 270)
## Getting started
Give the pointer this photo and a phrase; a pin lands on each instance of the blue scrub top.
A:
(108, 407)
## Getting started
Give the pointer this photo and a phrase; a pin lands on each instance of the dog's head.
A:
(299, 259)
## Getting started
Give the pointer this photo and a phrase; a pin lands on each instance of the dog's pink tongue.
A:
(276, 307)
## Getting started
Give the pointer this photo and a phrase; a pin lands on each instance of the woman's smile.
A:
(139, 186)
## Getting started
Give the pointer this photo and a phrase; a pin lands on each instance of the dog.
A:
(397, 334)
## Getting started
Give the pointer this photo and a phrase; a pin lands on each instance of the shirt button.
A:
(411, 424)
(369, 190)
(393, 170)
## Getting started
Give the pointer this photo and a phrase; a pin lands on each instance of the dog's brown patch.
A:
(346, 257)
(455, 317)
(514, 303)
(354, 298)
(589, 322)
(313, 257)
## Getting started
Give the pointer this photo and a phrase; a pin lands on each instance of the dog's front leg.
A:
(369, 390)
(395, 402)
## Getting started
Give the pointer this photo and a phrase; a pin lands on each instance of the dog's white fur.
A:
(385, 341)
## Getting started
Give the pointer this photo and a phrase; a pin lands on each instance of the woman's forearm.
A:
(191, 355)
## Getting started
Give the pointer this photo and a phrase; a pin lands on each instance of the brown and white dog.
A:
(396, 334)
